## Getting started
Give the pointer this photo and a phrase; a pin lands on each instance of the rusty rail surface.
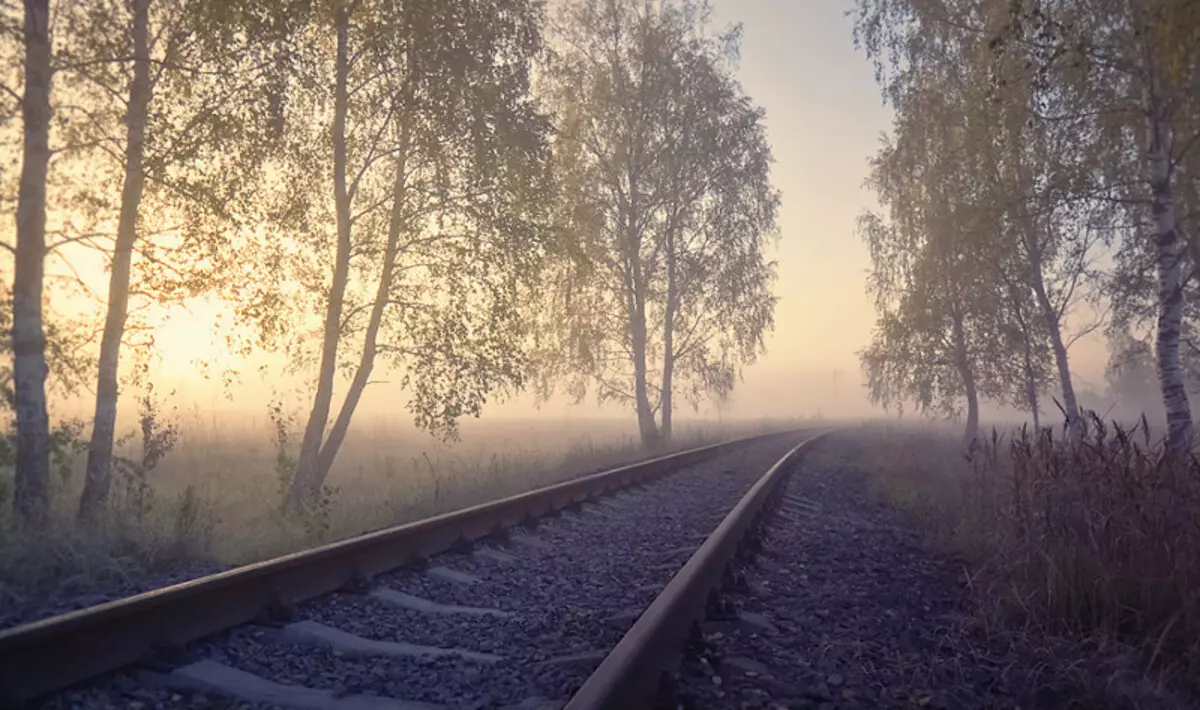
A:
(54, 653)
(630, 675)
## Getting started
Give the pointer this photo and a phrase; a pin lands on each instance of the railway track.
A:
(578, 594)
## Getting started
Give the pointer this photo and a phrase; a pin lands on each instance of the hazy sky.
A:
(824, 118)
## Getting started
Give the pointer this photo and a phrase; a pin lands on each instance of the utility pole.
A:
(837, 374)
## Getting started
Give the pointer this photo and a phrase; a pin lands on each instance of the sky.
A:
(824, 117)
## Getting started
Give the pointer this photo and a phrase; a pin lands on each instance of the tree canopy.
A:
(662, 278)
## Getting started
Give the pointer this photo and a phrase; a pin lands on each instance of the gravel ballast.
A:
(863, 614)
(73, 594)
(572, 587)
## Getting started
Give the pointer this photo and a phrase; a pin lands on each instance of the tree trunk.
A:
(1031, 395)
(1031, 389)
(32, 481)
(636, 306)
(396, 225)
(100, 449)
(304, 488)
(668, 373)
(1037, 282)
(1170, 250)
(965, 371)
(647, 428)
(972, 431)
(1061, 360)
(667, 386)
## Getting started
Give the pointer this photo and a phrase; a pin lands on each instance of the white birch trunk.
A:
(1036, 280)
(1061, 359)
(668, 373)
(636, 308)
(396, 227)
(967, 373)
(1031, 389)
(100, 449)
(32, 495)
(304, 489)
(1170, 252)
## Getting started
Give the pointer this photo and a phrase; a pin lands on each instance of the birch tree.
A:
(31, 495)
(64, 336)
(1032, 153)
(96, 483)
(1134, 62)
(936, 339)
(664, 283)
(1039, 179)
(952, 300)
(414, 123)
(171, 97)
(719, 218)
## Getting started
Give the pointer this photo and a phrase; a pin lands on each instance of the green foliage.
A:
(442, 92)
(665, 213)
(133, 475)
(939, 303)
(1002, 184)
(284, 425)
(67, 360)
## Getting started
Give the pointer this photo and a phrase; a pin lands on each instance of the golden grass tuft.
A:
(1097, 539)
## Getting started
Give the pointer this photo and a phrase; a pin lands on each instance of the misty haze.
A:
(912, 284)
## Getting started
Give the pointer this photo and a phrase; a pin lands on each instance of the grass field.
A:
(214, 498)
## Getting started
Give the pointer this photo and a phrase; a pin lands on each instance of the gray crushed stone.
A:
(867, 616)
(598, 564)
(73, 595)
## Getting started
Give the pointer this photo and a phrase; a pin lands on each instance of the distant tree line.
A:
(479, 196)
(1031, 138)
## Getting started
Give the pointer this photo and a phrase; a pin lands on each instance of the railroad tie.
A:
(409, 601)
(676, 553)
(452, 575)
(798, 503)
(648, 522)
(530, 541)
(583, 658)
(494, 555)
(311, 632)
(623, 620)
(213, 677)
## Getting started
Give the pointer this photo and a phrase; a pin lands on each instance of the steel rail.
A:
(60, 651)
(630, 675)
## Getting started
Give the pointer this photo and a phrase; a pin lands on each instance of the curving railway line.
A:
(584, 595)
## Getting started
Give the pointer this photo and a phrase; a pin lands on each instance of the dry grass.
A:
(1096, 541)
(214, 498)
